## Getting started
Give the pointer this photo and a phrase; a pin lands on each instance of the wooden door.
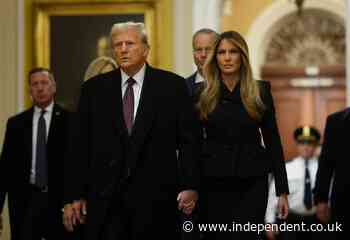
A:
(304, 99)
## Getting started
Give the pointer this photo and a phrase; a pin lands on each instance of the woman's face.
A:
(228, 57)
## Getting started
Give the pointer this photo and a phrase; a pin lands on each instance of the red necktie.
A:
(128, 105)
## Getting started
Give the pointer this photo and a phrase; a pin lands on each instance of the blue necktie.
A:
(307, 190)
(41, 155)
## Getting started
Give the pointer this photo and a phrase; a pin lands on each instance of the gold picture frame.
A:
(157, 16)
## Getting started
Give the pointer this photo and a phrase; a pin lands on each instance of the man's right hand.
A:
(323, 212)
(74, 213)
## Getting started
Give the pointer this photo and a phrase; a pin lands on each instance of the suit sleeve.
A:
(7, 152)
(76, 164)
(326, 163)
(189, 85)
(188, 138)
(272, 141)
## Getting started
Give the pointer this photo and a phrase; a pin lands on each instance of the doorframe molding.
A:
(259, 34)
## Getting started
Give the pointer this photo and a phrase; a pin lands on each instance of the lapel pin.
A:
(58, 113)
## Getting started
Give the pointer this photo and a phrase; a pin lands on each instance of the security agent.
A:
(301, 172)
(31, 166)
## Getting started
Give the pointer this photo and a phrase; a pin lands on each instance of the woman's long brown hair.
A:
(249, 88)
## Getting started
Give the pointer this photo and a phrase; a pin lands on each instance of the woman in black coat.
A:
(241, 146)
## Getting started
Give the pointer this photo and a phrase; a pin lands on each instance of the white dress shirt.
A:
(47, 117)
(296, 175)
(137, 87)
(199, 78)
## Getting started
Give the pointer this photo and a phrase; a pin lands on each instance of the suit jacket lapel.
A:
(144, 116)
(145, 111)
(56, 113)
(28, 141)
(115, 100)
(193, 78)
(190, 81)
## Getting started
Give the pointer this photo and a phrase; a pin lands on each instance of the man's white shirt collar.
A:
(199, 78)
(138, 77)
(48, 109)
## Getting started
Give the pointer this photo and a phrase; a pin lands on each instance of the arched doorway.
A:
(305, 63)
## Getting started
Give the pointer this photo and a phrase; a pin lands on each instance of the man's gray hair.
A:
(138, 26)
(204, 31)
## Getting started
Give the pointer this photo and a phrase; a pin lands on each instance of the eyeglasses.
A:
(200, 50)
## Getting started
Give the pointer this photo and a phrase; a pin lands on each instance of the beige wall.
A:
(8, 60)
(242, 14)
(8, 73)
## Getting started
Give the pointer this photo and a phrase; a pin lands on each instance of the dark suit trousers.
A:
(340, 214)
(303, 235)
(145, 220)
(41, 222)
(35, 222)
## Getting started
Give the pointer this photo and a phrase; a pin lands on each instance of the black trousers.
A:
(236, 202)
(149, 219)
(303, 235)
(340, 215)
(35, 224)
(42, 220)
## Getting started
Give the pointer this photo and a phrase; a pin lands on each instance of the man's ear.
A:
(54, 86)
(146, 51)
(30, 94)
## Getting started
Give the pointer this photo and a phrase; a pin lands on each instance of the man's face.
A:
(129, 50)
(42, 89)
(306, 150)
(203, 44)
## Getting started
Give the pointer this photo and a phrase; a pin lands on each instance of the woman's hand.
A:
(283, 206)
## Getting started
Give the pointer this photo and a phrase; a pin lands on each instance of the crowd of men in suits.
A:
(104, 166)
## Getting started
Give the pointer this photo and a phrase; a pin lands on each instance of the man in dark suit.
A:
(125, 174)
(31, 164)
(202, 44)
(333, 163)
